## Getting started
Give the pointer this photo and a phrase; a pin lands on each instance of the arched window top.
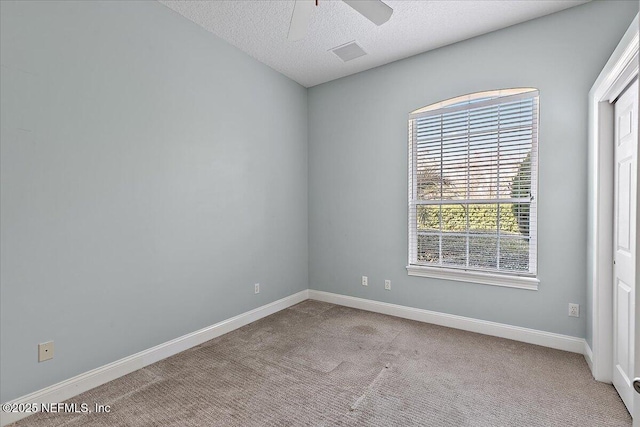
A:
(473, 98)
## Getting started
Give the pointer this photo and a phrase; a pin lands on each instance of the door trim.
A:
(619, 71)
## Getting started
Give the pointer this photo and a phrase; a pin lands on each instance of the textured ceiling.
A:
(260, 28)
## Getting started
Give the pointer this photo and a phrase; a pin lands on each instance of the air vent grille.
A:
(348, 51)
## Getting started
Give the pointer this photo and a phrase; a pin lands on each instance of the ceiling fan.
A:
(374, 10)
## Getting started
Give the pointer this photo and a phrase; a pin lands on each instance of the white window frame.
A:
(519, 280)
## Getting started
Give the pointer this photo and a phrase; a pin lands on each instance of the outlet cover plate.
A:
(574, 310)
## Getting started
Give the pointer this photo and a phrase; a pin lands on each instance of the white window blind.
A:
(473, 183)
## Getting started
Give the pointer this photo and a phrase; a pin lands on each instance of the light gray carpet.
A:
(319, 364)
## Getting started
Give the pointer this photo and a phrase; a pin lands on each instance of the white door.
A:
(624, 244)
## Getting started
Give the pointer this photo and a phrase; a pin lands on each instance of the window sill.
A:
(520, 282)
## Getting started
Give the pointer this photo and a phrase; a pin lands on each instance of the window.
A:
(472, 188)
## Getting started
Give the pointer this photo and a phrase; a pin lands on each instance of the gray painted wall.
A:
(358, 165)
(151, 173)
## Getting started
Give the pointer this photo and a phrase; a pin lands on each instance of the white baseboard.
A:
(516, 333)
(588, 355)
(79, 384)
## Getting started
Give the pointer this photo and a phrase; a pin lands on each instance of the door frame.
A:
(620, 70)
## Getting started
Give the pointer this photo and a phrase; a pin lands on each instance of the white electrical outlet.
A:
(574, 310)
(257, 288)
(387, 285)
(365, 281)
(45, 351)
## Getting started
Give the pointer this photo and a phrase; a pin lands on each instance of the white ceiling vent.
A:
(348, 51)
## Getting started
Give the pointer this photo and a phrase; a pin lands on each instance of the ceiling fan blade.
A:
(374, 10)
(300, 19)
